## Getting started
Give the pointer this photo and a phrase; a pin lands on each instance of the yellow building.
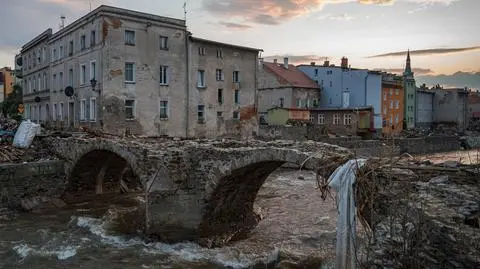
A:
(392, 104)
(6, 79)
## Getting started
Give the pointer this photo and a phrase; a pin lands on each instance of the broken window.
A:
(236, 115)
(336, 119)
(220, 96)
(347, 119)
(129, 72)
(93, 109)
(129, 109)
(82, 42)
(163, 43)
(201, 113)
(129, 37)
(201, 79)
(321, 119)
(236, 76)
(163, 75)
(219, 74)
(163, 109)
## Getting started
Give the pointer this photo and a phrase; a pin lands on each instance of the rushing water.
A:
(295, 220)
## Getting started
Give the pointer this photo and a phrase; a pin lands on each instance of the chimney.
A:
(274, 61)
(326, 63)
(285, 62)
(344, 62)
(312, 63)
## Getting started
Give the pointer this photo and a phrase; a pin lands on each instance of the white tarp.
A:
(342, 180)
(25, 134)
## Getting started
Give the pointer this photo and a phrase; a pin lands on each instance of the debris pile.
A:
(38, 151)
(8, 125)
(419, 215)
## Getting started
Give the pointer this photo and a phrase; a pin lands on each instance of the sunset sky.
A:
(443, 35)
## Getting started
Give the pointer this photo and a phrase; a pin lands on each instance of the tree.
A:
(9, 107)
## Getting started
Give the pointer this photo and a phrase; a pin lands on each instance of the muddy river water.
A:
(295, 220)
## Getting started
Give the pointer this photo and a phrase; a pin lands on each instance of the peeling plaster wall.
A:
(234, 59)
(146, 91)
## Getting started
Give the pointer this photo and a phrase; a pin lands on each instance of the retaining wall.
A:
(27, 180)
(429, 144)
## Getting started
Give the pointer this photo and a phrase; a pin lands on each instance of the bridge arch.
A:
(102, 168)
(231, 192)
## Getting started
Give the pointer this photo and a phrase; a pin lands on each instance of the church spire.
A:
(408, 67)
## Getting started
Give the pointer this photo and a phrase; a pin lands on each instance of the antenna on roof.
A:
(62, 21)
(185, 11)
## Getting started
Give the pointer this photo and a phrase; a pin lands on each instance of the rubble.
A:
(7, 124)
(38, 151)
(418, 215)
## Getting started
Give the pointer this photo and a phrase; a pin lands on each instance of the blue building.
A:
(342, 86)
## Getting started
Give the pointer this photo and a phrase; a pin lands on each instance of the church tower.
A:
(410, 95)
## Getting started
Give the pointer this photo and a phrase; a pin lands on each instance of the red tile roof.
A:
(291, 76)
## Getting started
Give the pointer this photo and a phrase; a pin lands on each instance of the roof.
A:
(292, 76)
(223, 44)
(39, 38)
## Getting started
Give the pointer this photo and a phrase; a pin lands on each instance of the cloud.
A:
(234, 26)
(459, 79)
(337, 17)
(426, 52)
(297, 59)
(273, 12)
(417, 71)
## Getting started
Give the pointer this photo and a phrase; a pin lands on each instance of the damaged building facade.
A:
(122, 71)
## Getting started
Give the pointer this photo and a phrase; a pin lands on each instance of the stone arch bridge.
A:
(194, 189)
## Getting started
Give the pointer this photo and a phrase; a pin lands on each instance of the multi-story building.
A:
(6, 82)
(410, 95)
(125, 71)
(284, 85)
(424, 107)
(392, 104)
(35, 77)
(346, 87)
(451, 106)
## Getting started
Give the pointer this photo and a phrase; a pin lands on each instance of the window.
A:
(321, 119)
(236, 115)
(54, 112)
(54, 82)
(331, 85)
(201, 79)
(236, 76)
(93, 38)
(201, 113)
(70, 48)
(391, 92)
(163, 43)
(236, 97)
(83, 109)
(54, 56)
(60, 80)
(129, 109)
(385, 110)
(220, 53)
(220, 96)
(281, 104)
(61, 53)
(83, 74)
(397, 104)
(219, 74)
(347, 119)
(321, 82)
(93, 109)
(82, 42)
(45, 81)
(299, 103)
(163, 75)
(219, 114)
(39, 82)
(163, 109)
(312, 117)
(202, 51)
(44, 54)
(385, 96)
(93, 70)
(60, 112)
(316, 72)
(391, 104)
(397, 91)
(396, 118)
(70, 77)
(130, 72)
(129, 37)
(391, 119)
(336, 119)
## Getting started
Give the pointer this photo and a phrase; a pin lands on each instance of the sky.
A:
(442, 35)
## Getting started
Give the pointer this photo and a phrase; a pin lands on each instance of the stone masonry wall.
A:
(19, 181)
(429, 144)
